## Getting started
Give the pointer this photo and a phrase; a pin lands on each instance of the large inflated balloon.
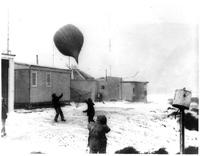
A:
(69, 41)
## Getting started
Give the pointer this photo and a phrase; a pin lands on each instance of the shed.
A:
(35, 84)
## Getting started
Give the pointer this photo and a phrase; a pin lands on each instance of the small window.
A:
(145, 93)
(102, 87)
(133, 90)
(48, 79)
(34, 79)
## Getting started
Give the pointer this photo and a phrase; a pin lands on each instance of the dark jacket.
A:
(4, 111)
(97, 133)
(90, 110)
(55, 100)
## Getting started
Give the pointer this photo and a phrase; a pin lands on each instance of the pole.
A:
(182, 133)
(106, 74)
(37, 59)
(69, 61)
(8, 51)
(110, 70)
(53, 55)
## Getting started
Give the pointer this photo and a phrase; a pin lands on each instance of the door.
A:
(4, 80)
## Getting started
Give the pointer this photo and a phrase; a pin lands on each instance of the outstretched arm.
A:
(85, 111)
(60, 96)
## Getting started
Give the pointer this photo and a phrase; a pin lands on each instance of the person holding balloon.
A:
(56, 104)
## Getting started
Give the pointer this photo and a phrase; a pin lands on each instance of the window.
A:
(133, 90)
(34, 79)
(102, 87)
(48, 79)
(145, 93)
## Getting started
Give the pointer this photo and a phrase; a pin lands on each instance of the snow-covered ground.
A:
(145, 126)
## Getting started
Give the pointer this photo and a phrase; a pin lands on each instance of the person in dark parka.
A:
(56, 104)
(90, 110)
(97, 140)
(4, 116)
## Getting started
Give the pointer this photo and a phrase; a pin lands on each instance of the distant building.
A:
(109, 88)
(7, 80)
(134, 91)
(113, 88)
(35, 84)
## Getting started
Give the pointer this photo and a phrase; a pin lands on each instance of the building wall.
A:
(22, 86)
(102, 88)
(141, 92)
(84, 87)
(134, 91)
(60, 83)
(109, 88)
(128, 91)
(30, 96)
(114, 87)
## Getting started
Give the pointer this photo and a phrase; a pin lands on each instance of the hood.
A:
(102, 119)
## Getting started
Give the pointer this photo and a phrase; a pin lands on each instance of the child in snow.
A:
(3, 118)
(97, 140)
(56, 104)
(90, 110)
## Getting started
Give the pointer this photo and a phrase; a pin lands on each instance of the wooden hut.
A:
(34, 85)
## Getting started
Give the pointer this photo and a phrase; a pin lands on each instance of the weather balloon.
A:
(69, 41)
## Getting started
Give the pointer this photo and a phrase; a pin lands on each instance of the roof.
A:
(135, 82)
(80, 75)
(38, 66)
(103, 78)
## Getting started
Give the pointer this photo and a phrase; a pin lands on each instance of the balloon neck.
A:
(76, 57)
(76, 61)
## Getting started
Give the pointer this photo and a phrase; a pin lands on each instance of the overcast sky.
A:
(158, 41)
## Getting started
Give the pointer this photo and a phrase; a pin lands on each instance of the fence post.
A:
(182, 132)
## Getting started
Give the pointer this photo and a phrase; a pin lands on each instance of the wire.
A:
(131, 76)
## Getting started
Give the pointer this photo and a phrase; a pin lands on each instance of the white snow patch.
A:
(145, 126)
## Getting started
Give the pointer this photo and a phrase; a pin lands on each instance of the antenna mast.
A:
(8, 51)
(109, 43)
